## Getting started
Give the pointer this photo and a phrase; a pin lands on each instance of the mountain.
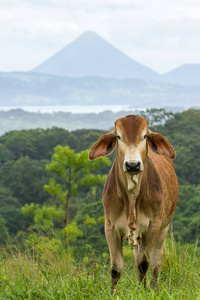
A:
(188, 74)
(90, 71)
(33, 89)
(90, 55)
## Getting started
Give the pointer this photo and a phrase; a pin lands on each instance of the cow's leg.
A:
(114, 241)
(156, 257)
(142, 251)
(142, 262)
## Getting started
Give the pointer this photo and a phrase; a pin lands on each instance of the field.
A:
(47, 270)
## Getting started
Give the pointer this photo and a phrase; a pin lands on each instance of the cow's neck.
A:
(130, 187)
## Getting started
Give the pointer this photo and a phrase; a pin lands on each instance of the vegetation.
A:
(46, 270)
(51, 215)
(25, 157)
(18, 119)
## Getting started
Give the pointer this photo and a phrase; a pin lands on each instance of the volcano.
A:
(90, 55)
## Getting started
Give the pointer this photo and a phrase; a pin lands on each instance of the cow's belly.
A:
(134, 237)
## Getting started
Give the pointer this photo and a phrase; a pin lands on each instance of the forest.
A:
(30, 180)
(18, 119)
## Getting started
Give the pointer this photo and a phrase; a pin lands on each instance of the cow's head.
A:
(132, 136)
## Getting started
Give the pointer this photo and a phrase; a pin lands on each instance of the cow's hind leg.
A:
(116, 256)
(156, 257)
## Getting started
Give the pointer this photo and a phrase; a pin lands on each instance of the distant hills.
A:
(90, 71)
(29, 89)
(188, 74)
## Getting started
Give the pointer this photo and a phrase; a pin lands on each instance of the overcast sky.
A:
(161, 34)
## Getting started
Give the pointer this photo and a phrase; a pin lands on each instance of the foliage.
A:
(156, 116)
(183, 131)
(45, 268)
(186, 222)
(25, 178)
(74, 170)
(25, 153)
(45, 214)
(90, 220)
(15, 220)
(7, 199)
(35, 143)
(11, 218)
(71, 231)
(3, 230)
(19, 122)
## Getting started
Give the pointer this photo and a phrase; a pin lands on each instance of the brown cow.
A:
(140, 194)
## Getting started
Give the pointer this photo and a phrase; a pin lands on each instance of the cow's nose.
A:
(133, 167)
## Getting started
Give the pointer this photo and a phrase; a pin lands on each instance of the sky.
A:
(161, 34)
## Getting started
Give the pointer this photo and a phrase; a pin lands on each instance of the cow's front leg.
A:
(142, 261)
(114, 241)
(142, 252)
(156, 257)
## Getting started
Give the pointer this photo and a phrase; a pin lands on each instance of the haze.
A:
(161, 35)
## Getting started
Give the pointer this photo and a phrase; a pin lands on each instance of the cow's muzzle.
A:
(133, 167)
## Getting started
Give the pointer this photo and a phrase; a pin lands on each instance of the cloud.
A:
(33, 30)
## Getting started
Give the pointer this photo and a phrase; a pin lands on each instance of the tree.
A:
(25, 178)
(74, 170)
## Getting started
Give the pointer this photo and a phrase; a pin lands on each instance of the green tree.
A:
(73, 170)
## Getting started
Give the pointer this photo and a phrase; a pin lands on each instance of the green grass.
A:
(48, 271)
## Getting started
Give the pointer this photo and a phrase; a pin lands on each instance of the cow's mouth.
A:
(133, 173)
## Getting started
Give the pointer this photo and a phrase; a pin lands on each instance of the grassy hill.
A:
(47, 270)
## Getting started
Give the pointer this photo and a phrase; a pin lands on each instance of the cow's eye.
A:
(144, 137)
(119, 138)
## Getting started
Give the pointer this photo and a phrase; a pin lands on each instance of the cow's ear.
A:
(104, 146)
(159, 144)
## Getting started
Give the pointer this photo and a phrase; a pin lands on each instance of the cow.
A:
(139, 195)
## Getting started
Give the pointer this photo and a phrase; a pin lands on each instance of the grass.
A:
(48, 271)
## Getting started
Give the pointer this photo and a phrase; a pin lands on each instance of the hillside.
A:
(18, 119)
(188, 74)
(23, 89)
(90, 55)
